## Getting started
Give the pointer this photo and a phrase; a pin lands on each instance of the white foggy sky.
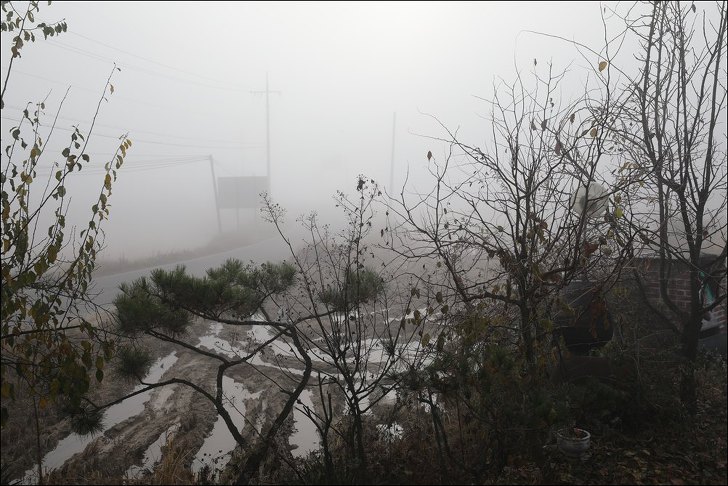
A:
(343, 70)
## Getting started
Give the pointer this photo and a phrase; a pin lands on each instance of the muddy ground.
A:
(114, 451)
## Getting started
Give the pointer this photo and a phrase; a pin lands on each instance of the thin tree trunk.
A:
(39, 456)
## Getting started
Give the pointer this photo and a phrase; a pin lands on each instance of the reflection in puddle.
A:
(306, 436)
(215, 343)
(74, 443)
(217, 447)
(215, 451)
(153, 454)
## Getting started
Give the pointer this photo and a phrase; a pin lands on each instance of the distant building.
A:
(712, 281)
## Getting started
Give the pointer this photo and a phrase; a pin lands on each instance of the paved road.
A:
(272, 249)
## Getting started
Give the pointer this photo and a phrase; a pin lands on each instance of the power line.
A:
(145, 58)
(153, 156)
(126, 168)
(141, 163)
(94, 91)
(154, 142)
(135, 131)
(133, 67)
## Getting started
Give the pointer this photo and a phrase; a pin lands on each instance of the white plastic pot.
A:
(573, 441)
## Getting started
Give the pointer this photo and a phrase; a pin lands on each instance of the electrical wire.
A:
(156, 142)
(15, 107)
(145, 58)
(126, 168)
(133, 67)
(94, 91)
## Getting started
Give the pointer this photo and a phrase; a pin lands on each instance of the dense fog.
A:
(190, 91)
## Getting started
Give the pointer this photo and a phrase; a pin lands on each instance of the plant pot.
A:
(573, 441)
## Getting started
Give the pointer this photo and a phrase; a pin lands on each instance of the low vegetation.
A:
(451, 336)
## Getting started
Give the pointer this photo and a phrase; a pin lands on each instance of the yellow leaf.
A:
(425, 339)
(593, 132)
(603, 66)
(107, 182)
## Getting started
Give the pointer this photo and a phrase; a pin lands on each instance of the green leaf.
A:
(52, 253)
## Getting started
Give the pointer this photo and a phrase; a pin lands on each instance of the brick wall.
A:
(678, 285)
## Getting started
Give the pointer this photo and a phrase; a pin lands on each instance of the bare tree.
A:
(672, 125)
(356, 342)
(517, 220)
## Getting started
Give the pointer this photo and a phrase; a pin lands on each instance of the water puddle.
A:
(215, 343)
(215, 451)
(75, 443)
(306, 435)
(153, 454)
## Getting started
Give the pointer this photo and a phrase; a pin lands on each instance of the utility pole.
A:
(267, 93)
(214, 188)
(391, 164)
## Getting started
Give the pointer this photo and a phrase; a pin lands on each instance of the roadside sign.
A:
(240, 192)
